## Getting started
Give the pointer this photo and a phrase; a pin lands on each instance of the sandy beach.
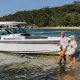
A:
(67, 28)
(35, 67)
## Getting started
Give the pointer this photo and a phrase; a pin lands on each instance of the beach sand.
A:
(67, 28)
(35, 67)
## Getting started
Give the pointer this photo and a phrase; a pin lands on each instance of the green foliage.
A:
(67, 15)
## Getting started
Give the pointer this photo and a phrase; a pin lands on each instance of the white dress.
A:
(72, 47)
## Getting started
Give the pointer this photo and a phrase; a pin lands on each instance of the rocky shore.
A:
(35, 67)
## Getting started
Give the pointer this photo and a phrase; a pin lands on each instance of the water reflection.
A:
(66, 73)
(62, 68)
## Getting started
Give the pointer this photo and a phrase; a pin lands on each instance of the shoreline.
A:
(67, 28)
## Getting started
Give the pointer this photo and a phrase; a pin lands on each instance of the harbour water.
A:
(35, 67)
(39, 67)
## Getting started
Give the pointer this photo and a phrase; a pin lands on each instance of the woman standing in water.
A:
(71, 51)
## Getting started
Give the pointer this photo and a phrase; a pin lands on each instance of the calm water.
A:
(52, 32)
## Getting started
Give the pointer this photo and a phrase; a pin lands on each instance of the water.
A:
(36, 67)
(52, 32)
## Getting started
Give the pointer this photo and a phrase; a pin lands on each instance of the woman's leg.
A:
(70, 60)
(74, 61)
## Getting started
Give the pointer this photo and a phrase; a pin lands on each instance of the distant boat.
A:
(24, 42)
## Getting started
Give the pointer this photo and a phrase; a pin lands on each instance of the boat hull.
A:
(29, 45)
(28, 48)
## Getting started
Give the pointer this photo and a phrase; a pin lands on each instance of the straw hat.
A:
(72, 36)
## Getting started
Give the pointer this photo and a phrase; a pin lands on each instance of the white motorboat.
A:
(11, 41)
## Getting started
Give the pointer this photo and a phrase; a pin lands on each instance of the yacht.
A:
(23, 42)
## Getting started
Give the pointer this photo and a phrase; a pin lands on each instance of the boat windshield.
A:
(17, 30)
(13, 29)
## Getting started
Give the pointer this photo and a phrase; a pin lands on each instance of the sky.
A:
(12, 6)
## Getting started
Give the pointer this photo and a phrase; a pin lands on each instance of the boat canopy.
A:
(9, 23)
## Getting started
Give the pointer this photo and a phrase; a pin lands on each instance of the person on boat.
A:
(63, 47)
(71, 51)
